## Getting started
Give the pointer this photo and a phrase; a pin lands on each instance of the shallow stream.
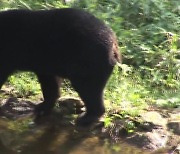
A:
(55, 135)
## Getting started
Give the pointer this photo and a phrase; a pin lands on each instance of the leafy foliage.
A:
(30, 4)
(25, 84)
(148, 33)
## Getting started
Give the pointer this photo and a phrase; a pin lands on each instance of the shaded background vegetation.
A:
(148, 32)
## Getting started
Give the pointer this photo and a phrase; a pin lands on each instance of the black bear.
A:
(60, 43)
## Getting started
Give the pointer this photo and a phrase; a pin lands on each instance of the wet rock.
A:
(70, 105)
(154, 117)
(174, 121)
(12, 107)
(153, 140)
(174, 126)
(152, 132)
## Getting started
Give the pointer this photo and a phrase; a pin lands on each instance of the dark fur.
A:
(67, 43)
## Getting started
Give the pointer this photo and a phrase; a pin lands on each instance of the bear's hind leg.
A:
(92, 95)
(50, 88)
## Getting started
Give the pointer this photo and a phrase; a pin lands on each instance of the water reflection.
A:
(54, 135)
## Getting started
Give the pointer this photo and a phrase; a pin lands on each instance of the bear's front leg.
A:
(50, 88)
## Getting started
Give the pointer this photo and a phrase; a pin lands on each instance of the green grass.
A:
(25, 84)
